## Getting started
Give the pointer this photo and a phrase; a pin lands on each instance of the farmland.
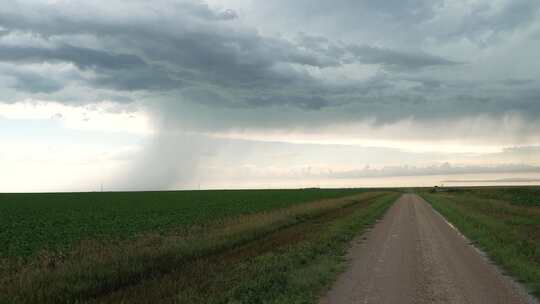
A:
(134, 247)
(33, 222)
(266, 246)
(503, 221)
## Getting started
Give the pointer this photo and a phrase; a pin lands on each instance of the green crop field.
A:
(503, 221)
(138, 247)
(135, 247)
(33, 222)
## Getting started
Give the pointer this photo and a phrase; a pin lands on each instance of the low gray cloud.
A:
(486, 20)
(34, 83)
(303, 102)
(134, 79)
(516, 82)
(442, 169)
(211, 68)
(404, 22)
(368, 20)
(397, 60)
(117, 71)
(193, 47)
(83, 58)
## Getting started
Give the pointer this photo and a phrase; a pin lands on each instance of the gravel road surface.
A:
(412, 255)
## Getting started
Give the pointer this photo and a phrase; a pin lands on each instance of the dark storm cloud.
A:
(397, 22)
(83, 58)
(214, 98)
(481, 22)
(398, 60)
(103, 17)
(516, 82)
(34, 83)
(303, 102)
(225, 55)
(206, 96)
(346, 13)
(195, 63)
(167, 55)
(117, 71)
(134, 79)
(388, 58)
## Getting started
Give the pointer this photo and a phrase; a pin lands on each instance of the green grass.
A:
(33, 222)
(506, 228)
(284, 255)
(256, 246)
(523, 196)
(299, 273)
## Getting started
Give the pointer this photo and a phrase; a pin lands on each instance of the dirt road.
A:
(414, 256)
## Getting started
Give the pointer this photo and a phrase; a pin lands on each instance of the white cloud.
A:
(104, 116)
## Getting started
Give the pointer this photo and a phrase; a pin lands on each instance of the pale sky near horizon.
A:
(140, 95)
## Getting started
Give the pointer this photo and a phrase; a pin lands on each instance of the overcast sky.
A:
(235, 93)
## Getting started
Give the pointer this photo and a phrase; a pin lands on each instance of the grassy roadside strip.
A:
(291, 265)
(101, 271)
(509, 234)
(302, 272)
